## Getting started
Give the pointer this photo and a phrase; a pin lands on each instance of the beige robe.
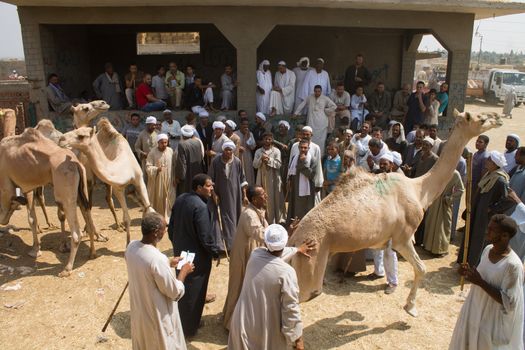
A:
(153, 293)
(160, 184)
(249, 235)
(237, 141)
(267, 314)
(145, 142)
(269, 178)
(438, 218)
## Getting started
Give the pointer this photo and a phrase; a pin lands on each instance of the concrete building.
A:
(66, 37)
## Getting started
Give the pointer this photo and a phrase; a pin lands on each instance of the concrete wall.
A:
(247, 27)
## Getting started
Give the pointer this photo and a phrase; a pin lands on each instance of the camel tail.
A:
(83, 197)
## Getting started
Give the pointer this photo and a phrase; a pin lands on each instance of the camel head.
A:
(80, 138)
(473, 125)
(84, 113)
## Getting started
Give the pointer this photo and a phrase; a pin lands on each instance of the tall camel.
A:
(111, 159)
(30, 161)
(366, 211)
(83, 114)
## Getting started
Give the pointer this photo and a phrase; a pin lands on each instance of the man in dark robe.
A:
(489, 199)
(228, 176)
(190, 160)
(357, 75)
(205, 131)
(190, 229)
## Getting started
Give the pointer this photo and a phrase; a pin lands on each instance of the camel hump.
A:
(105, 127)
(45, 123)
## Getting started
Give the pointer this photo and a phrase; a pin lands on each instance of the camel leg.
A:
(90, 226)
(408, 251)
(33, 223)
(140, 187)
(111, 205)
(121, 197)
(65, 247)
(310, 272)
(39, 192)
(72, 220)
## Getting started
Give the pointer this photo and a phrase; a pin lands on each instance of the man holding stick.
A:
(190, 229)
(154, 290)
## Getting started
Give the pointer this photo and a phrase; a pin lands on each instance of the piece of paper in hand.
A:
(187, 257)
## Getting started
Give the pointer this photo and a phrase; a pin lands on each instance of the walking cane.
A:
(221, 228)
(115, 308)
(468, 200)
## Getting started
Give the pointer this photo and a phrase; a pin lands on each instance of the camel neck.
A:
(434, 182)
(100, 163)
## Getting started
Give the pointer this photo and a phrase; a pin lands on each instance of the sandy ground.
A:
(68, 313)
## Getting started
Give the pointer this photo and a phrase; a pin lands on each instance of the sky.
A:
(500, 34)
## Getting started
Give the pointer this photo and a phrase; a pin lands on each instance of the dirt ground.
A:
(68, 313)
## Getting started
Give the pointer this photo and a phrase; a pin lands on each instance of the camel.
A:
(366, 211)
(112, 161)
(30, 161)
(84, 113)
(8, 117)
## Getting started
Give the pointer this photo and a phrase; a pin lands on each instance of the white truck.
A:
(495, 83)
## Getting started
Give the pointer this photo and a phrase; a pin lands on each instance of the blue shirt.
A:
(443, 101)
(332, 168)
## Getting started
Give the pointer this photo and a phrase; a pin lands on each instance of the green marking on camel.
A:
(383, 186)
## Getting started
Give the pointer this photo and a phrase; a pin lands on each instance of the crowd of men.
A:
(228, 187)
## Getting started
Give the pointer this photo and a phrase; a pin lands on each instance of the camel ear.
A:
(456, 113)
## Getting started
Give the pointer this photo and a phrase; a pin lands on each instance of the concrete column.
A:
(246, 37)
(408, 62)
(457, 75)
(34, 63)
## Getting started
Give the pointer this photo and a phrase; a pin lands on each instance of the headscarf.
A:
(161, 137)
(498, 158)
(387, 156)
(262, 64)
(229, 144)
(398, 160)
(307, 128)
(231, 124)
(261, 115)
(429, 140)
(197, 109)
(218, 125)
(515, 137)
(167, 111)
(151, 120)
(281, 63)
(401, 137)
(302, 59)
(320, 60)
(275, 237)
(204, 114)
(187, 130)
(490, 178)
(285, 123)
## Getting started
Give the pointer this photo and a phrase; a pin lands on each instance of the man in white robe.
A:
(317, 76)
(283, 94)
(320, 109)
(171, 128)
(228, 86)
(264, 87)
(218, 139)
(159, 167)
(154, 290)
(301, 71)
(267, 314)
(360, 140)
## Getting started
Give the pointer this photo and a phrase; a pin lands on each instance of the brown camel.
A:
(366, 211)
(30, 161)
(112, 161)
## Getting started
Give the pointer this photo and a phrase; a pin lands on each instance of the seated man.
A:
(342, 100)
(400, 106)
(199, 95)
(358, 109)
(379, 104)
(175, 82)
(56, 97)
(132, 80)
(146, 100)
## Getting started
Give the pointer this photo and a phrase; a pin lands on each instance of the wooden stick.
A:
(115, 308)
(468, 201)
(222, 230)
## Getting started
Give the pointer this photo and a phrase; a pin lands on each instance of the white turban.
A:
(231, 124)
(197, 109)
(285, 123)
(229, 144)
(281, 63)
(302, 59)
(218, 125)
(320, 60)
(398, 160)
(221, 118)
(429, 140)
(349, 132)
(151, 120)
(167, 111)
(264, 63)
(309, 129)
(204, 114)
(187, 130)
(388, 156)
(498, 158)
(275, 237)
(515, 137)
(260, 115)
(162, 137)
